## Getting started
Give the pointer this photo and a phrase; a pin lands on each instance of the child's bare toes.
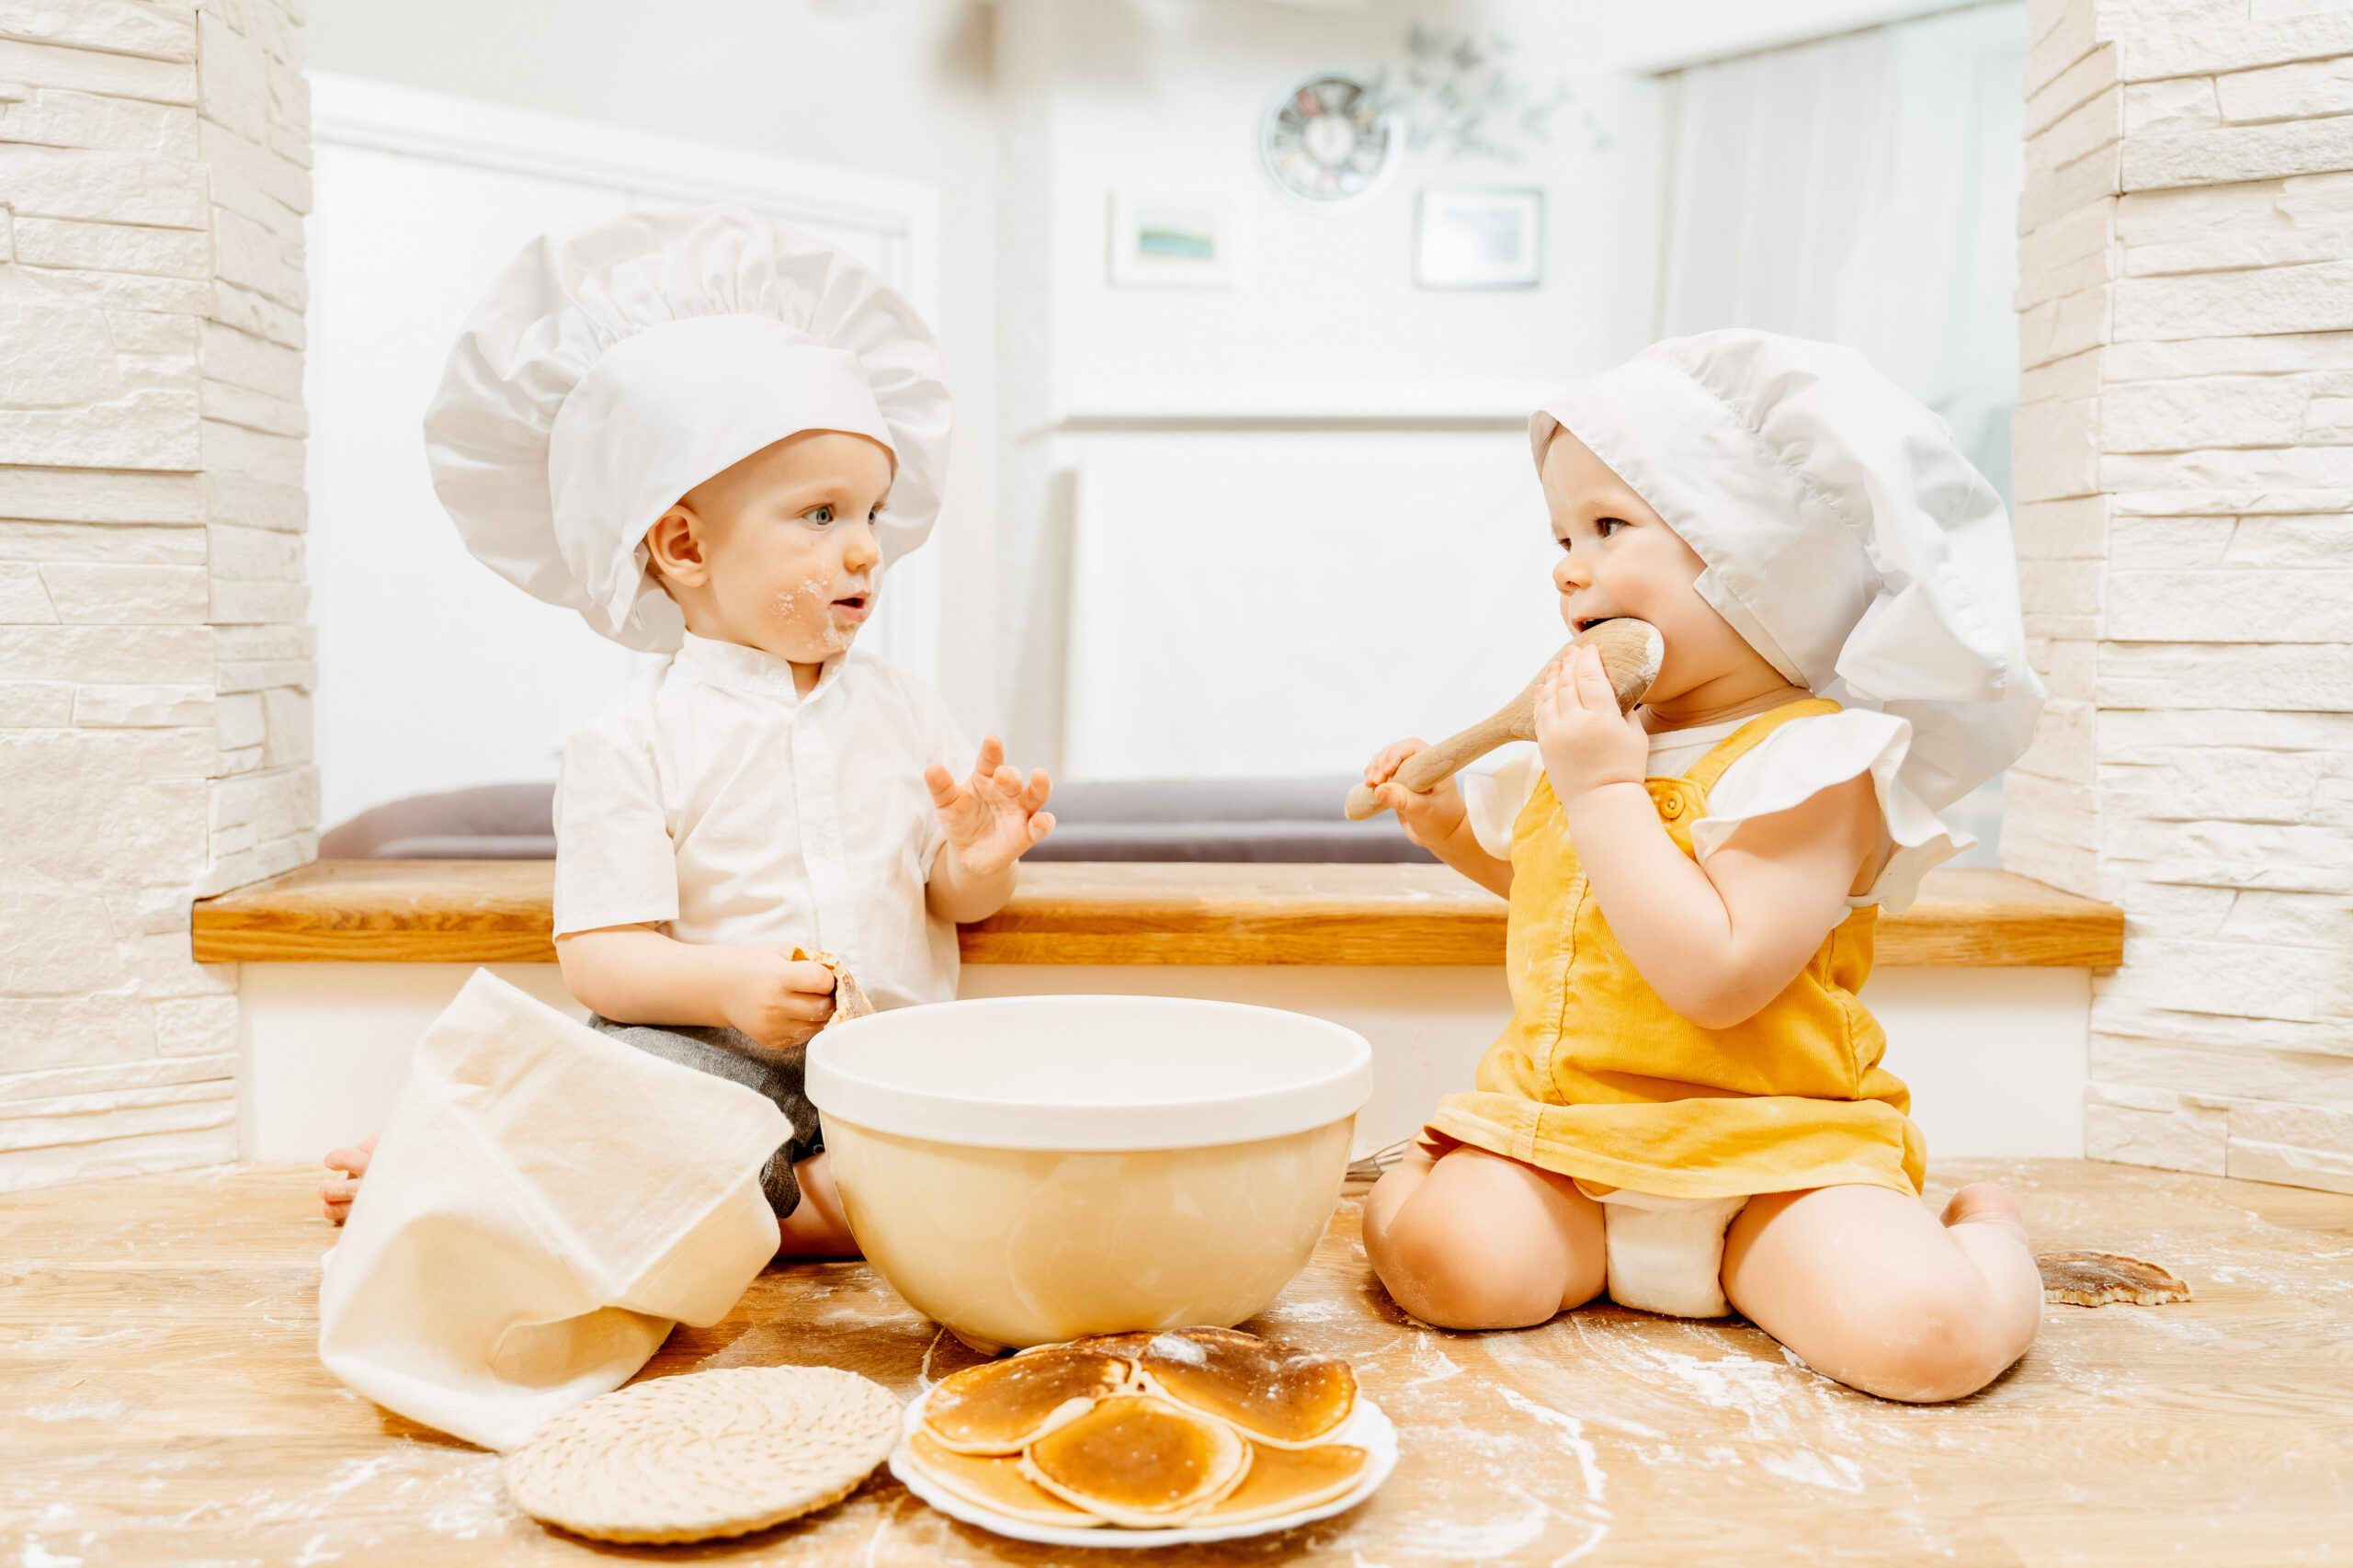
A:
(350, 1164)
(1987, 1203)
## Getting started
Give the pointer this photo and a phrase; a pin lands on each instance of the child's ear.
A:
(676, 552)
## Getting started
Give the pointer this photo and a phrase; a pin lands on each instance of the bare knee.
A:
(1925, 1342)
(1475, 1255)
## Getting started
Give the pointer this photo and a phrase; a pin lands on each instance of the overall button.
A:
(1671, 808)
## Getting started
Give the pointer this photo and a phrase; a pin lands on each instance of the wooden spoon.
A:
(1630, 651)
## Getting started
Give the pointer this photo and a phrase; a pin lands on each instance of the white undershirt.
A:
(1790, 766)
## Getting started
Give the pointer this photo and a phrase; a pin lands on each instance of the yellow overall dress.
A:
(1597, 1079)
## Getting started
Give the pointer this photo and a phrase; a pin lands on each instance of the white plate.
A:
(1366, 1428)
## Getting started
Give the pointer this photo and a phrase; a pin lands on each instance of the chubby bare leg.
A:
(816, 1228)
(1473, 1239)
(1872, 1289)
(345, 1167)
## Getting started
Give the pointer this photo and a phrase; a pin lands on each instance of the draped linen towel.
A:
(543, 1204)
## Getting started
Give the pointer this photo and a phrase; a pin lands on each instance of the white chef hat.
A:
(612, 368)
(1845, 535)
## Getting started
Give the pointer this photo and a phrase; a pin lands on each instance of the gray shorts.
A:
(733, 1055)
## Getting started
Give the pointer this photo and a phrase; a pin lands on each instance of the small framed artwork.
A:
(1176, 242)
(1480, 239)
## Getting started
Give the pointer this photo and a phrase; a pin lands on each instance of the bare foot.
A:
(1987, 1203)
(336, 1192)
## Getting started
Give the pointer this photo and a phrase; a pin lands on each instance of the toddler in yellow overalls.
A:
(1688, 1107)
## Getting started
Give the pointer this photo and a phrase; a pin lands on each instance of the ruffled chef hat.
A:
(1845, 535)
(614, 367)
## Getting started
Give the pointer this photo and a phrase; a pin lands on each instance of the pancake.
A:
(1273, 1394)
(1128, 1345)
(994, 1481)
(1283, 1481)
(2096, 1279)
(1003, 1406)
(1140, 1461)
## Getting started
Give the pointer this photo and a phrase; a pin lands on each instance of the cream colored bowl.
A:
(1026, 1169)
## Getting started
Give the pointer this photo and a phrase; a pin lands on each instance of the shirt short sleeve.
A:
(614, 861)
(1805, 757)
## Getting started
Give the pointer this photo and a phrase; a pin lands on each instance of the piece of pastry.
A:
(849, 996)
(2095, 1279)
(999, 1407)
(1283, 1481)
(1274, 1394)
(994, 1481)
(1139, 1461)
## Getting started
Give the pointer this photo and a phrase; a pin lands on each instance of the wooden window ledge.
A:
(1074, 912)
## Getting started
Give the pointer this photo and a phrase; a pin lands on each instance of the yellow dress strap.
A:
(1704, 773)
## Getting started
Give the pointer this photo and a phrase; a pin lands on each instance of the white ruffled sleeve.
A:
(1805, 757)
(1495, 790)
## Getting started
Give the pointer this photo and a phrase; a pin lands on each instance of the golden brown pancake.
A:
(1283, 1481)
(1129, 1345)
(2096, 1279)
(1140, 1461)
(994, 1481)
(1002, 1406)
(1281, 1397)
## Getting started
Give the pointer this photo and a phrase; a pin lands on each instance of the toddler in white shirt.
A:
(710, 434)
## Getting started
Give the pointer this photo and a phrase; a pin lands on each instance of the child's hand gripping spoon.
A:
(1630, 651)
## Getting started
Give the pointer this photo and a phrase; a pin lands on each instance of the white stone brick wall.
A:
(154, 666)
(2184, 473)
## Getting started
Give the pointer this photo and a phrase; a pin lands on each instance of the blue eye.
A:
(818, 515)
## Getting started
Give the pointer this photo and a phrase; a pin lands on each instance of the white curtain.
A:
(1863, 189)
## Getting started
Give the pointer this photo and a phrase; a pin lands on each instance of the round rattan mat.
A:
(705, 1454)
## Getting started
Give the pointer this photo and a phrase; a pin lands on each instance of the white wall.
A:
(1328, 331)
(154, 669)
(2185, 464)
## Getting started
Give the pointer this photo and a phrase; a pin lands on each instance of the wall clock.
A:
(1328, 144)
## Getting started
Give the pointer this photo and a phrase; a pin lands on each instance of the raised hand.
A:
(1584, 740)
(994, 816)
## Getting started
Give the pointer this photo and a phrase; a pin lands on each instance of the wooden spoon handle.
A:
(1630, 651)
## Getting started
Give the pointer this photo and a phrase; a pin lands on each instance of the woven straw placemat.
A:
(705, 1454)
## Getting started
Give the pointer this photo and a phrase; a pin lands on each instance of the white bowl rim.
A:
(843, 1094)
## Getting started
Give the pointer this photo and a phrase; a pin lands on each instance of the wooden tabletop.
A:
(165, 1403)
(1074, 913)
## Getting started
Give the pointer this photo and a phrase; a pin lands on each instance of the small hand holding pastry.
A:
(1585, 741)
(990, 820)
(774, 995)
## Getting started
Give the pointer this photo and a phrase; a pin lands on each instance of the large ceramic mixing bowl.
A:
(1026, 1169)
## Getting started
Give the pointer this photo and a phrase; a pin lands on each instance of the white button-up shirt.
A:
(713, 801)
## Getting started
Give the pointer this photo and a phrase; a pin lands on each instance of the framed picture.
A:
(1176, 242)
(1480, 239)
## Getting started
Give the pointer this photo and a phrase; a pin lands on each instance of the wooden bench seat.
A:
(1150, 913)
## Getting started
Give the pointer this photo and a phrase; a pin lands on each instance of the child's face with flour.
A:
(1619, 557)
(778, 552)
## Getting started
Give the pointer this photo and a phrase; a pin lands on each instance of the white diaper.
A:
(1666, 1255)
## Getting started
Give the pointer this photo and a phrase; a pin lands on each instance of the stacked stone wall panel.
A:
(2184, 445)
(154, 668)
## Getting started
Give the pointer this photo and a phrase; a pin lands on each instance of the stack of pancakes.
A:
(1192, 1426)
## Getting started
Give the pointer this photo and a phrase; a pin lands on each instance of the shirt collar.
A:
(735, 667)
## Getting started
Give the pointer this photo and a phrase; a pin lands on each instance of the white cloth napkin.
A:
(543, 1203)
